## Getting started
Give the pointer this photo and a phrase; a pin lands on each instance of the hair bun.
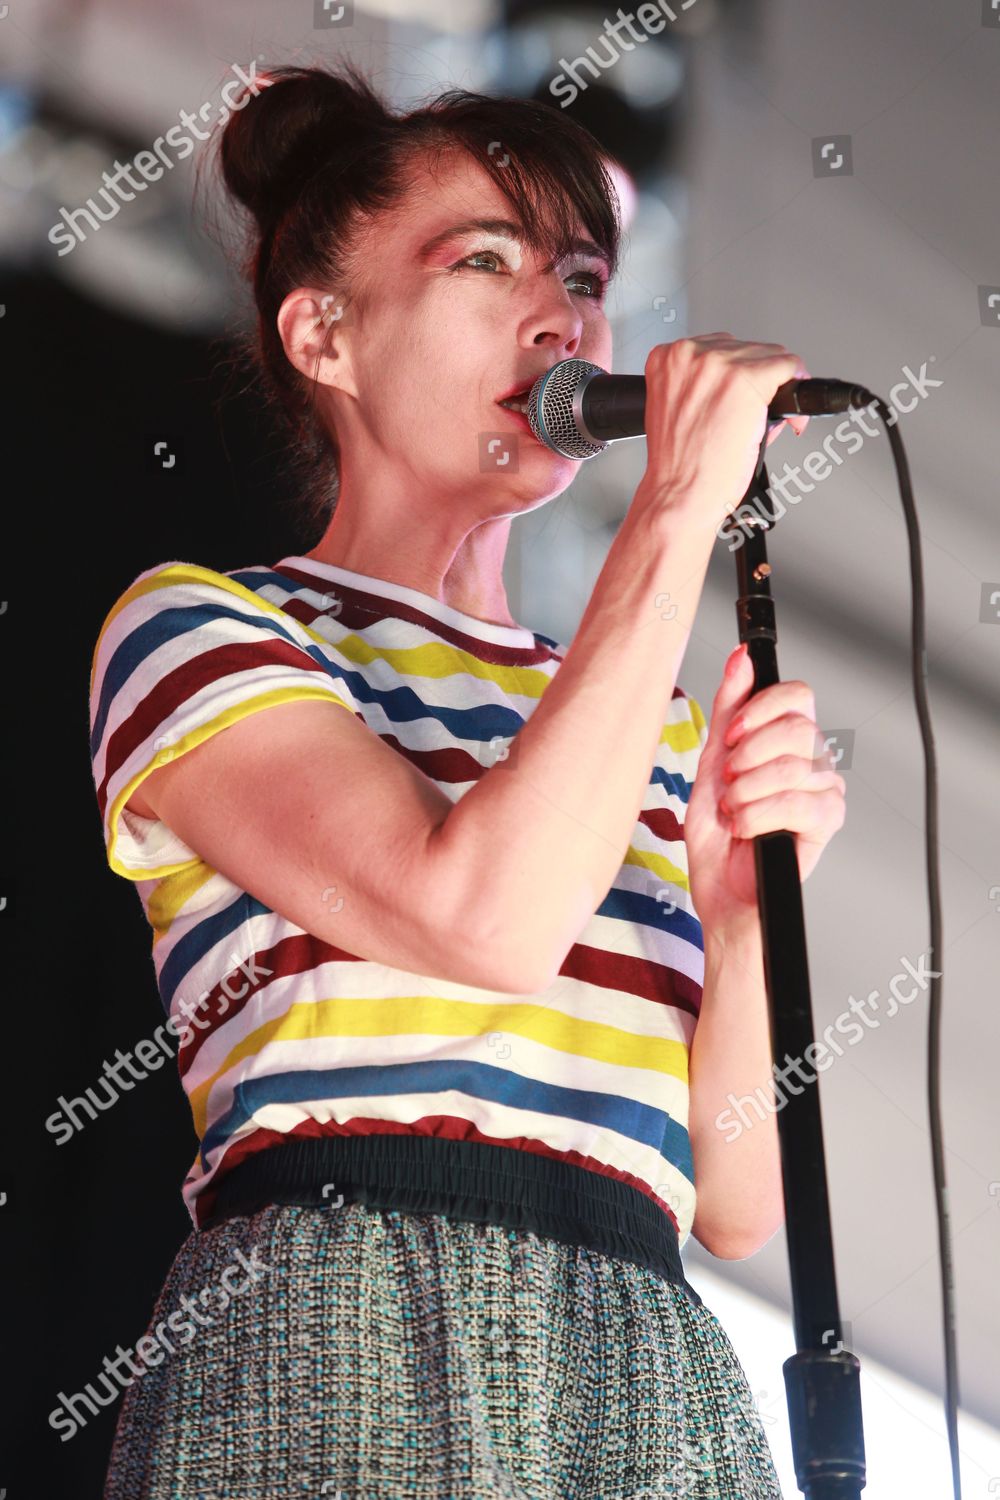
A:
(281, 136)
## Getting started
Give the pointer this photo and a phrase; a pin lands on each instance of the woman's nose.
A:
(553, 320)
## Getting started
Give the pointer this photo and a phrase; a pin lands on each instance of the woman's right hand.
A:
(706, 411)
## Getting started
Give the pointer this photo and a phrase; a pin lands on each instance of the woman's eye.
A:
(481, 255)
(597, 284)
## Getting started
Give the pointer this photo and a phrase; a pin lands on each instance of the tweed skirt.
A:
(370, 1354)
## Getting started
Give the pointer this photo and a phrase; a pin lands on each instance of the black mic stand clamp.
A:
(823, 1378)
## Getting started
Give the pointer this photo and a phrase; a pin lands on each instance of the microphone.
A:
(577, 409)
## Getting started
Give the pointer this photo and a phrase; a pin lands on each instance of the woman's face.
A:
(454, 318)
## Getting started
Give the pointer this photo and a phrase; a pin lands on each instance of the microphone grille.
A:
(550, 409)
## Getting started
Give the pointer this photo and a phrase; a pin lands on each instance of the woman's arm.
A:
(737, 1166)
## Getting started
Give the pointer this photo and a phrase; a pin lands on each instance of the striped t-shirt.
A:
(280, 1034)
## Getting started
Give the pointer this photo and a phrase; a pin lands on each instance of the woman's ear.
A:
(314, 335)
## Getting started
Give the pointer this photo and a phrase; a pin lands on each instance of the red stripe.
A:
(450, 764)
(635, 976)
(663, 822)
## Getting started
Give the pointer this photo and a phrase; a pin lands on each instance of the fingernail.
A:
(734, 731)
(735, 657)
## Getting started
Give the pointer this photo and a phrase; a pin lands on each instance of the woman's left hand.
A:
(763, 768)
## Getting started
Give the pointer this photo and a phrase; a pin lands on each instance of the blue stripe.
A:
(191, 949)
(402, 705)
(260, 578)
(646, 911)
(642, 1123)
(547, 640)
(673, 781)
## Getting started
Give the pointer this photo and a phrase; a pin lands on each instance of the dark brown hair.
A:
(316, 153)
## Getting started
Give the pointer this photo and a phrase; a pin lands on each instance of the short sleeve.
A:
(183, 653)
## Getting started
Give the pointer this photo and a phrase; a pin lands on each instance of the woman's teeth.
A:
(514, 403)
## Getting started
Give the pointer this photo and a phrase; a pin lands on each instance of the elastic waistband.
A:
(470, 1180)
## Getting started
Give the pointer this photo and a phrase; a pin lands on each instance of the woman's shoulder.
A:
(187, 617)
(176, 578)
(195, 590)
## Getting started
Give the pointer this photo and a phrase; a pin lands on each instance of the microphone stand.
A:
(822, 1379)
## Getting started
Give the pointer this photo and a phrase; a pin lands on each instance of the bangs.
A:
(550, 170)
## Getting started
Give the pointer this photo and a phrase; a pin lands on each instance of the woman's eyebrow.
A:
(514, 231)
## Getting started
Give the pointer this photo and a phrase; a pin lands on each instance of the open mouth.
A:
(516, 400)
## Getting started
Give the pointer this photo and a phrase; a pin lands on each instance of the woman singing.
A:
(458, 941)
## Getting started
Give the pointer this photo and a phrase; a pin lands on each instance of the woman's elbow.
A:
(733, 1243)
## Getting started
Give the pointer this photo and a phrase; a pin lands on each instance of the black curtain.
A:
(89, 1227)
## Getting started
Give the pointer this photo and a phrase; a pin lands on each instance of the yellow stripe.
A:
(698, 718)
(680, 737)
(197, 736)
(437, 659)
(659, 864)
(395, 1016)
(172, 893)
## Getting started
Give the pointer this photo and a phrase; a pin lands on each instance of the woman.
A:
(435, 964)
